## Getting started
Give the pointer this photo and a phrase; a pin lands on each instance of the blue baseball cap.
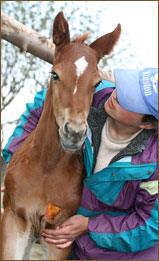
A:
(137, 90)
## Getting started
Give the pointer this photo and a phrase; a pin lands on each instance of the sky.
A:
(139, 22)
(139, 19)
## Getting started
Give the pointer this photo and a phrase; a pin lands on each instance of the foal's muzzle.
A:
(73, 136)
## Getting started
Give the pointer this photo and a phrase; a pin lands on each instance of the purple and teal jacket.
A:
(120, 200)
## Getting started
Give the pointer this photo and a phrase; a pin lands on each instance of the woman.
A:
(117, 218)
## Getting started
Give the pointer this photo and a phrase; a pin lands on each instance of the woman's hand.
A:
(108, 76)
(3, 188)
(71, 229)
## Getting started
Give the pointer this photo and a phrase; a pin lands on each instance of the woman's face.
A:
(118, 113)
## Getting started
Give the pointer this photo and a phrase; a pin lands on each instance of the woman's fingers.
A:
(53, 235)
(67, 244)
(54, 241)
(3, 189)
(63, 243)
(67, 232)
(56, 232)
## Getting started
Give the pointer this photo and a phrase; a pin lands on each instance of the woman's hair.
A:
(150, 119)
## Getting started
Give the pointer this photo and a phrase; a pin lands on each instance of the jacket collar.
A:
(96, 121)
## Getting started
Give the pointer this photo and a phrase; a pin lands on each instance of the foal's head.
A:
(74, 79)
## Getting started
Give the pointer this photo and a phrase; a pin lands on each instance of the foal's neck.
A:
(46, 138)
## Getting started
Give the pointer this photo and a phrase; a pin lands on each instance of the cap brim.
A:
(128, 91)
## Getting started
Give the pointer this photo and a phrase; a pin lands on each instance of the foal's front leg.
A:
(51, 252)
(55, 253)
(16, 243)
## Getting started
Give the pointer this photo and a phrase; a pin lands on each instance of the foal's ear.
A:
(61, 34)
(104, 45)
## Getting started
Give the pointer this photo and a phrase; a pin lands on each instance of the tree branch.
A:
(26, 39)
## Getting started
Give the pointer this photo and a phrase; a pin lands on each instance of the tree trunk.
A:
(26, 39)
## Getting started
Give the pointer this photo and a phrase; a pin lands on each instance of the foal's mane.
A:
(81, 38)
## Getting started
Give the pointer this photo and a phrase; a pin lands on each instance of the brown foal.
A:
(44, 178)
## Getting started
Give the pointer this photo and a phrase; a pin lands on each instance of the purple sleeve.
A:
(28, 122)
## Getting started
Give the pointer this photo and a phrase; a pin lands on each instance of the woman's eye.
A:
(95, 86)
(55, 76)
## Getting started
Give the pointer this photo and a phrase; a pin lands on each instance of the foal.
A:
(44, 178)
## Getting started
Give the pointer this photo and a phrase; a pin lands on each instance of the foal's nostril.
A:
(70, 131)
(66, 129)
(85, 133)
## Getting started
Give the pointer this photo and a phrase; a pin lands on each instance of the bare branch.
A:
(26, 39)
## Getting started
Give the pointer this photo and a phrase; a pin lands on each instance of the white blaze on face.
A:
(81, 65)
(75, 90)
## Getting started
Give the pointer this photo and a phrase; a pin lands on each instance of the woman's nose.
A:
(114, 95)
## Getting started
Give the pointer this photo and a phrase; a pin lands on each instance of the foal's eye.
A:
(95, 86)
(55, 76)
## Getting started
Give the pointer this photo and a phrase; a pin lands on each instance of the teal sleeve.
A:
(28, 122)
